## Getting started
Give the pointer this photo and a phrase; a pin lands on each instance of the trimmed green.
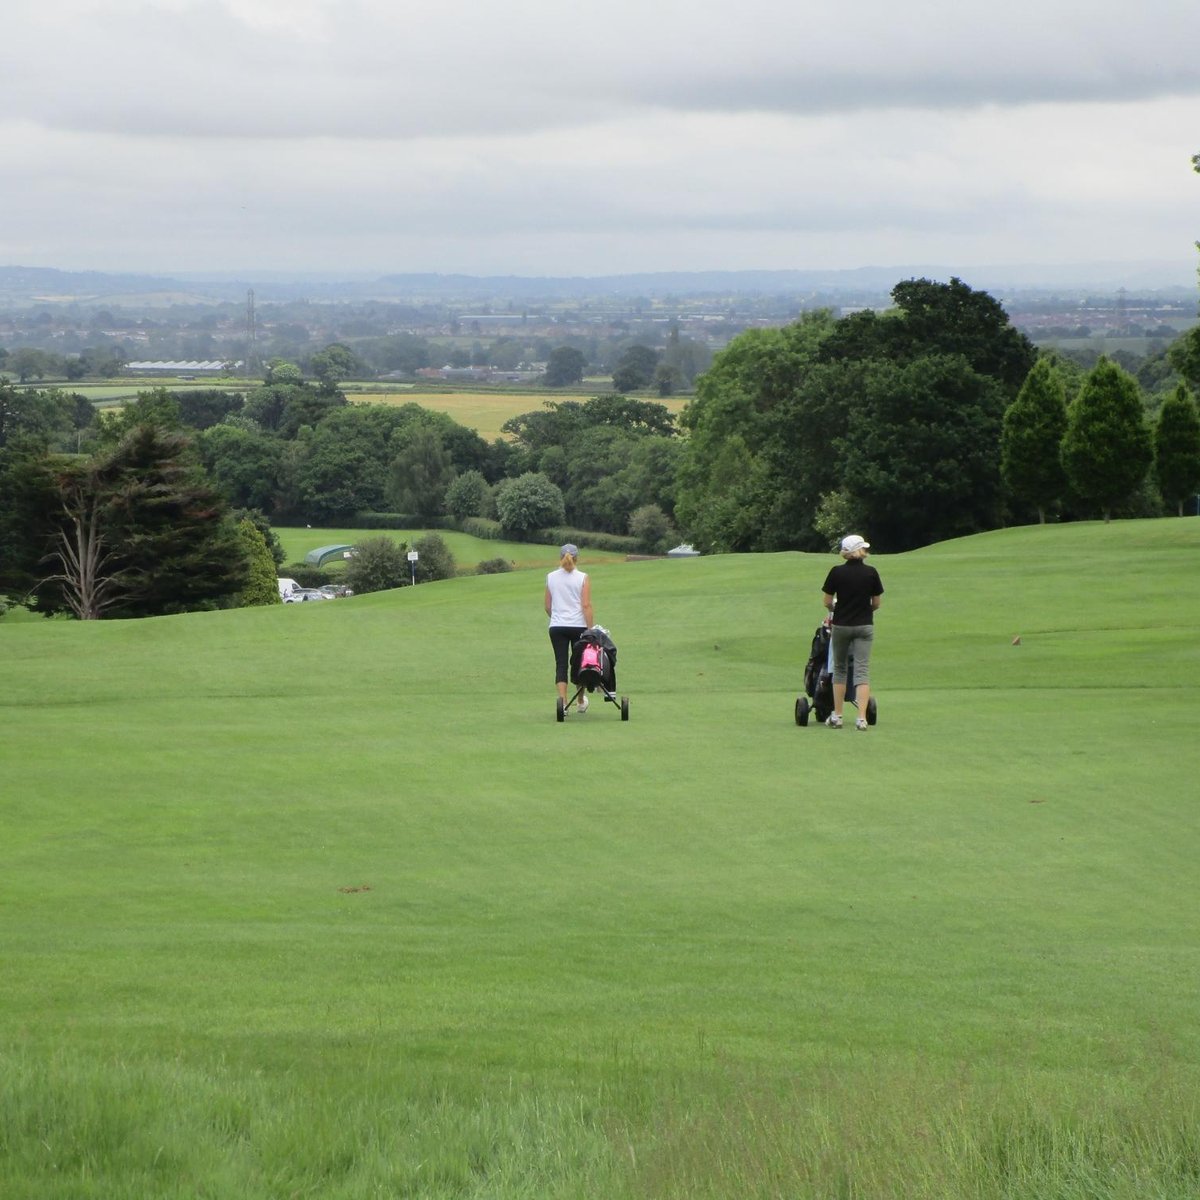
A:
(468, 551)
(322, 900)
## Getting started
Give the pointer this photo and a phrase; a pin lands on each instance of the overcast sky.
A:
(584, 137)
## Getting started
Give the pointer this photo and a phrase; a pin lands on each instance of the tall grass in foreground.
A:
(122, 1130)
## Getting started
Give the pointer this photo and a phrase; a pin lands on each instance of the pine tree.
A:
(1106, 449)
(1031, 439)
(1177, 448)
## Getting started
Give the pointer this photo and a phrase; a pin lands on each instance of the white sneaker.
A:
(833, 721)
(861, 723)
(582, 706)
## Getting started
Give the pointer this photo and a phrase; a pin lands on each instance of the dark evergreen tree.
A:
(138, 531)
(1177, 449)
(1031, 440)
(1106, 448)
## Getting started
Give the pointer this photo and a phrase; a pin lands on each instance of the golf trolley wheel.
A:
(560, 711)
(872, 711)
(801, 711)
(624, 708)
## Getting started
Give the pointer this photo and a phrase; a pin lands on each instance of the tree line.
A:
(932, 420)
(900, 423)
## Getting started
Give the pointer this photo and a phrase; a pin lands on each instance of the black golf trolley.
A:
(818, 682)
(594, 668)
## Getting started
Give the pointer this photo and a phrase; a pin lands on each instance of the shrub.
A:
(652, 528)
(434, 560)
(378, 563)
(493, 566)
(261, 588)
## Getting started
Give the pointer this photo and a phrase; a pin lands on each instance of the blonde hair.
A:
(861, 552)
(567, 562)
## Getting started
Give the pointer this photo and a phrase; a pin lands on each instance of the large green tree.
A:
(921, 450)
(244, 463)
(1031, 440)
(938, 318)
(564, 367)
(635, 368)
(724, 490)
(139, 531)
(528, 503)
(1177, 449)
(1107, 448)
(420, 472)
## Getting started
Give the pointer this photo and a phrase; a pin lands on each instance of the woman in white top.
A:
(569, 607)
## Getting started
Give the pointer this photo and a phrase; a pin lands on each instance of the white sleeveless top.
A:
(566, 598)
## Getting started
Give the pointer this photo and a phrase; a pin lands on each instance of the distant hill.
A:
(26, 286)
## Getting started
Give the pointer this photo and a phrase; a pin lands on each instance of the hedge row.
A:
(380, 520)
(489, 530)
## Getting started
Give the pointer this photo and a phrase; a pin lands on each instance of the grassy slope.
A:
(468, 551)
(703, 952)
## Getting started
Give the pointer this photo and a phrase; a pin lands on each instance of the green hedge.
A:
(380, 520)
(490, 531)
(482, 527)
(614, 542)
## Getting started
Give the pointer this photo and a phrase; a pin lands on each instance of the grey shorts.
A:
(856, 640)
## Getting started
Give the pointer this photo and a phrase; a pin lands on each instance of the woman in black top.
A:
(857, 591)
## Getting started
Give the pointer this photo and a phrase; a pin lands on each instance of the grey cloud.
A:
(373, 71)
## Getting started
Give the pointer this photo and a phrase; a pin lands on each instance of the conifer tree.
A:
(1106, 449)
(1177, 448)
(1031, 439)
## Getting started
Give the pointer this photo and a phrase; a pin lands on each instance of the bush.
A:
(378, 564)
(652, 528)
(434, 560)
(493, 566)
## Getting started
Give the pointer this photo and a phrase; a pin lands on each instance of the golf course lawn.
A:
(468, 551)
(322, 901)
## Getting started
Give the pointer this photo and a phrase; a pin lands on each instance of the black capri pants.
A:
(563, 638)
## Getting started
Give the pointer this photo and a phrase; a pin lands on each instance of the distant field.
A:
(485, 412)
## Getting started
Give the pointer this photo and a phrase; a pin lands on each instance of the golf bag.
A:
(818, 681)
(594, 661)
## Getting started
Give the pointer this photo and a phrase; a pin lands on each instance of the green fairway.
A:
(322, 901)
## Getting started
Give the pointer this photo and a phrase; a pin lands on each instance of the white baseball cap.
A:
(854, 541)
